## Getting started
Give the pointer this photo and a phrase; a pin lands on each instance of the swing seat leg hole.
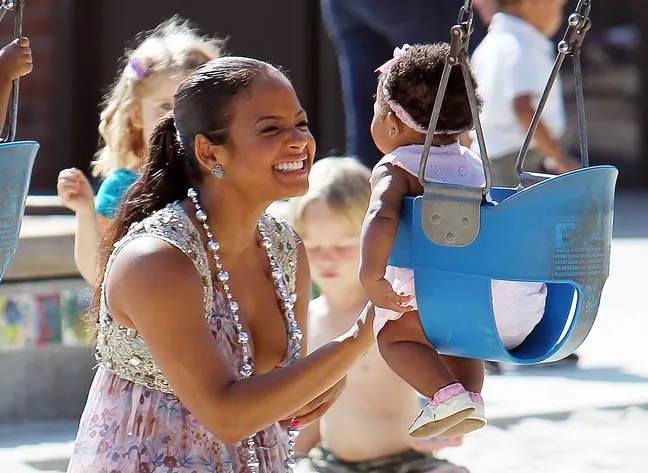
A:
(560, 310)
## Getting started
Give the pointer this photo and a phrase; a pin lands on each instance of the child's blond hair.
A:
(339, 182)
(174, 47)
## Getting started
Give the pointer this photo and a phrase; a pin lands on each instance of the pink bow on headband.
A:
(398, 52)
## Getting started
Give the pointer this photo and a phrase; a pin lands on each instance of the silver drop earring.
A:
(218, 172)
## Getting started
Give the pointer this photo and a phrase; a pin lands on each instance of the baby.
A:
(407, 88)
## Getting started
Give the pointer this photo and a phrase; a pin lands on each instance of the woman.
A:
(204, 295)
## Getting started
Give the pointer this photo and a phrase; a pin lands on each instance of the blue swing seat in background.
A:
(557, 231)
(16, 162)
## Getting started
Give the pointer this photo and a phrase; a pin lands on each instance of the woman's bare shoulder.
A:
(150, 266)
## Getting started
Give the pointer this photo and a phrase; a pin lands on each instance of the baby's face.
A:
(333, 248)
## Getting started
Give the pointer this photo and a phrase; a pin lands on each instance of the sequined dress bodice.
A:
(121, 350)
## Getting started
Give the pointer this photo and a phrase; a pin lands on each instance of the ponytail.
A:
(167, 174)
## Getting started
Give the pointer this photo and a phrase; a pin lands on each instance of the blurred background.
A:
(46, 364)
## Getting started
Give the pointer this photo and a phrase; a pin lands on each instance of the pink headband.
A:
(397, 108)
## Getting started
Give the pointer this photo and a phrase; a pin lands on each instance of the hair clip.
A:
(139, 67)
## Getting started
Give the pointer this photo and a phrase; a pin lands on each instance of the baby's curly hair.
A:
(413, 81)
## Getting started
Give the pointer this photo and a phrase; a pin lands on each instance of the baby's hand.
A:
(15, 59)
(75, 191)
(382, 295)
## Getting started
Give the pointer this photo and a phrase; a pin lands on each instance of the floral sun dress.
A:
(133, 422)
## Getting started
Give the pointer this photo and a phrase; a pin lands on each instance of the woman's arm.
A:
(317, 407)
(155, 286)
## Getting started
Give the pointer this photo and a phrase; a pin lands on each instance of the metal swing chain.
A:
(578, 25)
(450, 213)
(18, 6)
(460, 39)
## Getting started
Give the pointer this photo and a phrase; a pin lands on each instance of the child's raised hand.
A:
(15, 59)
(382, 294)
(75, 191)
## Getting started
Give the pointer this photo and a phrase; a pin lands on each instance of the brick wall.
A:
(35, 114)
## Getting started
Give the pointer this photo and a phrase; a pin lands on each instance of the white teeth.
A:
(290, 166)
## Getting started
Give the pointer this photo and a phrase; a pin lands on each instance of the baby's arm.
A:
(389, 185)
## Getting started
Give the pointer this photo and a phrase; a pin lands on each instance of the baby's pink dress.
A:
(518, 306)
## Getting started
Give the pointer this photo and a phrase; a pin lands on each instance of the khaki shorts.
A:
(321, 460)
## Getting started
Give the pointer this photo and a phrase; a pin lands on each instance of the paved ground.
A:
(598, 441)
(589, 419)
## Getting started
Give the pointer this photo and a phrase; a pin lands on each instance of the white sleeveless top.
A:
(518, 306)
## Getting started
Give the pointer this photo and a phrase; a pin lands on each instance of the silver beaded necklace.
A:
(288, 299)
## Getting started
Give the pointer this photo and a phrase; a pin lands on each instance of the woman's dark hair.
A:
(413, 82)
(201, 107)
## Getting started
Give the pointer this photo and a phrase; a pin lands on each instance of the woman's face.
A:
(269, 149)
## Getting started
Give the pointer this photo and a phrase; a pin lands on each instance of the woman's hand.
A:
(316, 408)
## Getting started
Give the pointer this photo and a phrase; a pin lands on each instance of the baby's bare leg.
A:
(403, 345)
(410, 355)
(469, 372)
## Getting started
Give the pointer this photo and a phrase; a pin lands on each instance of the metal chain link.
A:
(459, 42)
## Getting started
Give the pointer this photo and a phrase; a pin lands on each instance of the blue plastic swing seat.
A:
(558, 231)
(16, 162)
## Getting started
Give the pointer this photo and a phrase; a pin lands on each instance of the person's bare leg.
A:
(468, 371)
(410, 355)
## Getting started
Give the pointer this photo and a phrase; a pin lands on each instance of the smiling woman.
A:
(201, 316)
